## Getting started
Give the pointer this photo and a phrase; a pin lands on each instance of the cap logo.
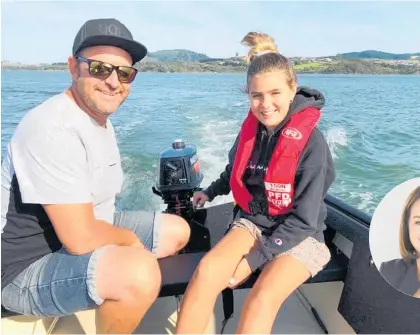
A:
(109, 29)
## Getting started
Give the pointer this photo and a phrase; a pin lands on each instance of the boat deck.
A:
(293, 318)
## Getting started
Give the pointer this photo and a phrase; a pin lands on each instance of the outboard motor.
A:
(178, 177)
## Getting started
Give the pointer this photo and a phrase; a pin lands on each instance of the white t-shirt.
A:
(57, 155)
(61, 155)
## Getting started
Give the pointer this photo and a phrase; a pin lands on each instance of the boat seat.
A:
(178, 270)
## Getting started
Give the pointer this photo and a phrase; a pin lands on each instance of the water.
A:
(371, 123)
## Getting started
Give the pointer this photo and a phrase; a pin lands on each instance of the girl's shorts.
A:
(312, 253)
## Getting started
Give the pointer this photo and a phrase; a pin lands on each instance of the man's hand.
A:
(137, 244)
(417, 294)
(80, 232)
(134, 241)
(242, 272)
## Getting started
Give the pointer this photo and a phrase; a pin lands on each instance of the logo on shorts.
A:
(278, 241)
(292, 133)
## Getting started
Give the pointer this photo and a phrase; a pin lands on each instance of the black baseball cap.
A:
(108, 32)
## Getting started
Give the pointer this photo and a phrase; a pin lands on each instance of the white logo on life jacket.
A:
(277, 187)
(279, 199)
(279, 194)
(292, 133)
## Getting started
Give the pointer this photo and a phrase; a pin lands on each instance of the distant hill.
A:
(188, 56)
(176, 55)
(377, 54)
(183, 55)
(181, 60)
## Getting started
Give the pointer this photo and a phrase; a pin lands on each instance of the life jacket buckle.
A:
(256, 207)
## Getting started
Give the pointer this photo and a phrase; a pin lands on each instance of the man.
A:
(63, 247)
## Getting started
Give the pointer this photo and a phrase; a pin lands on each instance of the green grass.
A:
(308, 66)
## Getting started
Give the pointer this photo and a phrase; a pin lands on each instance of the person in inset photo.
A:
(404, 273)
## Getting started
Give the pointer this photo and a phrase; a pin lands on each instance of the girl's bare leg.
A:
(210, 278)
(277, 281)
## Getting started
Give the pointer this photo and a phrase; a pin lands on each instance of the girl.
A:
(279, 171)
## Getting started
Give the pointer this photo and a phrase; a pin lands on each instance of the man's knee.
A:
(182, 232)
(175, 234)
(129, 274)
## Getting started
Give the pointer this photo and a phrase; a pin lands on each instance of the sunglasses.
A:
(102, 70)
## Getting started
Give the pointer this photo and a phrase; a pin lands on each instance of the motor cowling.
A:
(178, 168)
(178, 177)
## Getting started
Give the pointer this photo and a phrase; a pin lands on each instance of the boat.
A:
(348, 297)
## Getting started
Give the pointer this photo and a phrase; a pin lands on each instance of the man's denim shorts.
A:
(62, 284)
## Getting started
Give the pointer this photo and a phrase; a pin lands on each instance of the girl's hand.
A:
(417, 294)
(242, 272)
(199, 199)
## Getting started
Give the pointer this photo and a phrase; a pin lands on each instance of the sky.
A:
(43, 31)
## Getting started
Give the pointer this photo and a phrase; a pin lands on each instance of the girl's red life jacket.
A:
(280, 175)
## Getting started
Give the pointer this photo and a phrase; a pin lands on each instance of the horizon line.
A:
(239, 56)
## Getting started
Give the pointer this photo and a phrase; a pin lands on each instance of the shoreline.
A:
(185, 61)
(337, 66)
(12, 69)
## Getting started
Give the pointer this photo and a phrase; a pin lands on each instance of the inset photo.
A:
(394, 237)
